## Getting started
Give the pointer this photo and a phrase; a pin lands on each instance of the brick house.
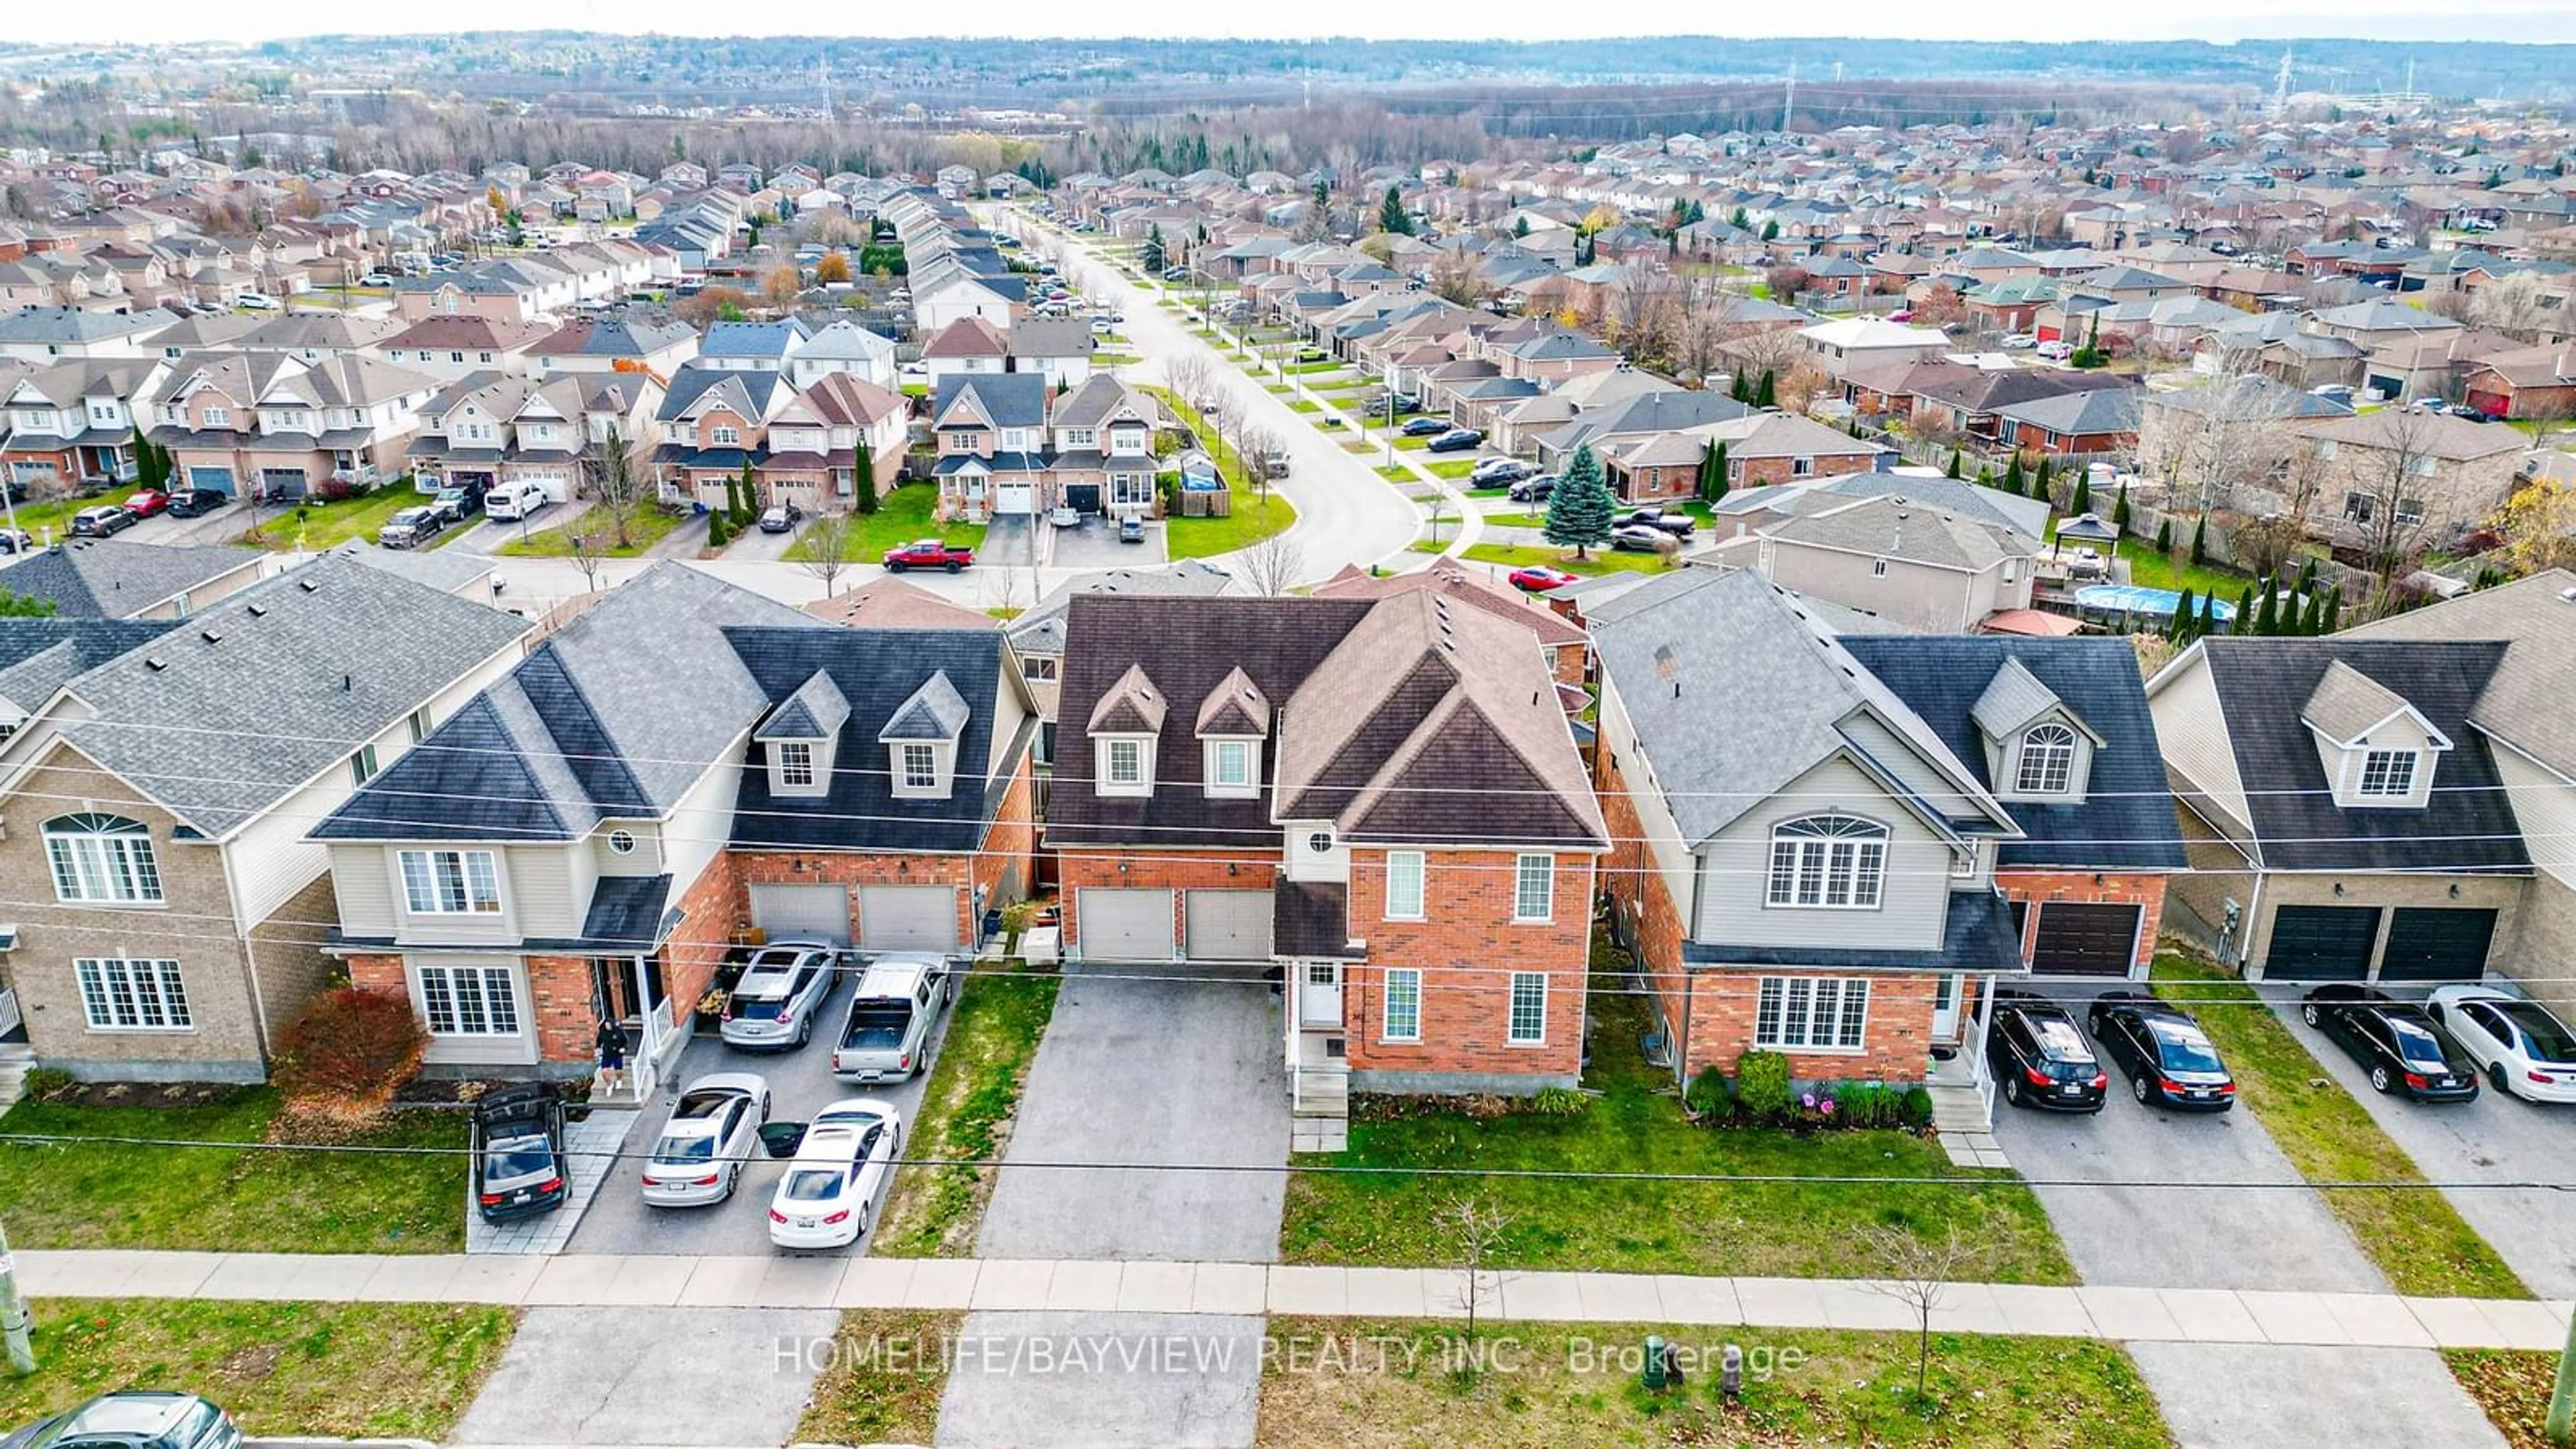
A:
(581, 841)
(2454, 473)
(1761, 449)
(1568, 648)
(489, 429)
(158, 777)
(274, 427)
(1274, 781)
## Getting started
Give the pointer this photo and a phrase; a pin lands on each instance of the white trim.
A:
(1421, 884)
(1386, 1004)
(160, 976)
(1512, 1006)
(1520, 888)
(1806, 1044)
(464, 879)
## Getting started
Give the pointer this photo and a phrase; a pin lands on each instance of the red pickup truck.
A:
(929, 553)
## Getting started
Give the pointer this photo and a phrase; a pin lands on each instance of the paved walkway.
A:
(590, 1146)
(2181, 1315)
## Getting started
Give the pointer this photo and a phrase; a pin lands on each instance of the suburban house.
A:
(159, 778)
(112, 578)
(1917, 565)
(2444, 473)
(613, 345)
(69, 427)
(490, 429)
(272, 427)
(1278, 780)
(582, 842)
(2345, 818)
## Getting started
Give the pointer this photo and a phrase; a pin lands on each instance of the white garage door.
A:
(908, 918)
(1124, 925)
(558, 487)
(1229, 925)
(802, 912)
(1014, 498)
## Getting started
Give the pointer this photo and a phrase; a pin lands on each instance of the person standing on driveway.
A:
(612, 1055)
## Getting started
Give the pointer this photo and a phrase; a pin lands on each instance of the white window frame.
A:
(723, 437)
(2396, 767)
(1109, 779)
(362, 765)
(1818, 1015)
(1513, 1013)
(2045, 767)
(1410, 978)
(928, 781)
(1407, 885)
(126, 994)
(488, 1007)
(103, 860)
(791, 762)
(1814, 858)
(478, 893)
(1525, 886)
(1249, 785)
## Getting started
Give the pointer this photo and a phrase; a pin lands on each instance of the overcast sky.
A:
(2047, 20)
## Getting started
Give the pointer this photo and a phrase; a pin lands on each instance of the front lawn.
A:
(51, 522)
(974, 1088)
(376, 1370)
(1635, 1225)
(242, 1199)
(2512, 1385)
(649, 526)
(902, 516)
(317, 526)
(2416, 1237)
(1596, 561)
(1378, 1384)
(889, 1367)
(1258, 513)
(1451, 468)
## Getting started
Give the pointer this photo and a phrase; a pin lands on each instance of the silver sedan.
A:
(712, 1132)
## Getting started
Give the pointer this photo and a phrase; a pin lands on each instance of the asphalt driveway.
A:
(1094, 545)
(2222, 1396)
(2495, 1139)
(799, 1083)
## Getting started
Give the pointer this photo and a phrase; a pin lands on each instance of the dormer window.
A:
(921, 739)
(2387, 773)
(916, 768)
(2047, 761)
(799, 737)
(1126, 765)
(793, 764)
(1229, 769)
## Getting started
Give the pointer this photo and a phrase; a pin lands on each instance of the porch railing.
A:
(10, 1016)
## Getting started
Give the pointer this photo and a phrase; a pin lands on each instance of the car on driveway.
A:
(518, 1151)
(1131, 529)
(148, 502)
(1424, 426)
(2524, 1049)
(928, 553)
(411, 527)
(458, 501)
(781, 518)
(1456, 440)
(1679, 525)
(782, 988)
(2167, 1058)
(1539, 578)
(2039, 1056)
(132, 1419)
(104, 521)
(841, 1169)
(713, 1130)
(1532, 490)
(197, 502)
(16, 541)
(1065, 515)
(886, 1037)
(1638, 538)
(1496, 472)
(2397, 1043)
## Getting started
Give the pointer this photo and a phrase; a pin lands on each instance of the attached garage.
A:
(1229, 925)
(802, 912)
(2437, 944)
(1020, 496)
(2085, 939)
(2321, 943)
(908, 918)
(557, 486)
(1123, 924)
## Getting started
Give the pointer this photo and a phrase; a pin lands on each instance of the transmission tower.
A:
(2281, 88)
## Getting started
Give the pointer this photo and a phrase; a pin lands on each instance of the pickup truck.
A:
(929, 553)
(1679, 525)
(886, 1037)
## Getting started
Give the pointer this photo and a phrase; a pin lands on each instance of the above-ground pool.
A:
(2139, 599)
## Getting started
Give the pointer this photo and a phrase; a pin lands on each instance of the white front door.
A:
(1319, 994)
(1945, 1008)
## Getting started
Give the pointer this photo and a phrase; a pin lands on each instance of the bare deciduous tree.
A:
(613, 476)
(1273, 564)
(585, 548)
(824, 551)
(1918, 1272)
(2388, 500)
(1191, 376)
(2519, 306)
(2221, 439)
(1475, 1233)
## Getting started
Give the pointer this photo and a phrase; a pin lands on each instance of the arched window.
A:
(105, 859)
(1828, 860)
(2047, 760)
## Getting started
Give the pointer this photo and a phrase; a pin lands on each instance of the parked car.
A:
(458, 501)
(104, 521)
(2397, 1043)
(1539, 578)
(1495, 472)
(712, 1131)
(1679, 525)
(1131, 529)
(1638, 538)
(518, 1151)
(1100, 327)
(2055, 350)
(2020, 341)
(1532, 490)
(840, 1169)
(1176, 274)
(2525, 1050)
(886, 1037)
(1274, 465)
(1456, 440)
(928, 553)
(781, 518)
(773, 1007)
(411, 527)
(376, 279)
(132, 1419)
(2039, 1056)
(197, 502)
(2167, 1058)
(16, 541)
(511, 502)
(1423, 427)
(1065, 515)
(255, 301)
(147, 503)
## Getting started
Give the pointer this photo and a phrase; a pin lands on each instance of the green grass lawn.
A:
(378, 1370)
(888, 1370)
(242, 1199)
(1256, 516)
(1566, 1384)
(325, 525)
(902, 516)
(2158, 571)
(1793, 1229)
(2512, 1386)
(1451, 468)
(1116, 359)
(649, 526)
(51, 522)
(2417, 1238)
(1406, 443)
(1324, 364)
(1595, 561)
(1395, 472)
(1304, 405)
(974, 1087)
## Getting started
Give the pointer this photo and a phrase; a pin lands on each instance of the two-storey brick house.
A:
(270, 426)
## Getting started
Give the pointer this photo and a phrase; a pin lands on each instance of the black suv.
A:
(2167, 1057)
(2397, 1043)
(518, 1144)
(2040, 1057)
(197, 502)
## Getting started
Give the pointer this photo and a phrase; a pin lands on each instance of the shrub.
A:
(1762, 1085)
(46, 1083)
(1915, 1109)
(349, 1050)
(1707, 1092)
(1868, 1106)
(1560, 1102)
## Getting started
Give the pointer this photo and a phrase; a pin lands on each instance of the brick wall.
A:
(1897, 1043)
(1010, 843)
(1202, 869)
(2080, 886)
(1758, 472)
(856, 868)
(1467, 949)
(286, 951)
(2541, 943)
(715, 905)
(1637, 890)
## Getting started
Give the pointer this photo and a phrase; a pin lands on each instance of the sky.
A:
(2042, 20)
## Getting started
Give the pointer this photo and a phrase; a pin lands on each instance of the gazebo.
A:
(2089, 529)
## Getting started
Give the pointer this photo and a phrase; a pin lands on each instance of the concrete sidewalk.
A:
(2171, 1315)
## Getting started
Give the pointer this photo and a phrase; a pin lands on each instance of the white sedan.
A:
(840, 1172)
(712, 1132)
(2524, 1050)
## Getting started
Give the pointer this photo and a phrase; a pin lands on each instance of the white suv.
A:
(513, 501)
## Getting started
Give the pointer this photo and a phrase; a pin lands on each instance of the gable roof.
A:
(40, 656)
(1452, 580)
(817, 710)
(936, 711)
(2347, 705)
(108, 578)
(2525, 702)
(892, 603)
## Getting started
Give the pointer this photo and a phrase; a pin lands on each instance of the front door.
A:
(1319, 994)
(1945, 1008)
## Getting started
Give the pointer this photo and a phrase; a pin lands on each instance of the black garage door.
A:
(2428, 944)
(2321, 943)
(2084, 940)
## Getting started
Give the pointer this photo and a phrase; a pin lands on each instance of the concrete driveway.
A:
(2221, 1396)
(1093, 545)
(799, 1083)
(219, 527)
(2495, 1139)
(708, 1378)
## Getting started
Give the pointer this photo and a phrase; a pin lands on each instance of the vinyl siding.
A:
(549, 888)
(360, 878)
(703, 820)
(1664, 843)
(1902, 760)
(1913, 904)
(2192, 732)
(644, 859)
(2545, 805)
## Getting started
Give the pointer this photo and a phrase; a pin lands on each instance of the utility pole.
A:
(1789, 102)
(13, 1315)
(2561, 1425)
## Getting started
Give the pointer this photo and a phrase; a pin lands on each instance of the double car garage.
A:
(2339, 943)
(889, 917)
(1126, 923)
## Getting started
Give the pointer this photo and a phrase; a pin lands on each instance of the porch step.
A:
(15, 1063)
(1318, 1133)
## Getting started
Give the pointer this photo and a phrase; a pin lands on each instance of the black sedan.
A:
(518, 1143)
(1456, 440)
(2397, 1043)
(2167, 1058)
(2041, 1059)
(197, 502)
(1424, 426)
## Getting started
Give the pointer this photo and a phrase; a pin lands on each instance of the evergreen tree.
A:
(2267, 615)
(1580, 509)
(1766, 395)
(1740, 388)
(2208, 616)
(2333, 615)
(2200, 540)
(2244, 621)
(1712, 474)
(1391, 215)
(2014, 483)
(2120, 511)
(2299, 623)
(1739, 221)
(2039, 483)
(1771, 229)
(2164, 536)
(1520, 225)
(2082, 502)
(748, 505)
(1957, 465)
(716, 521)
(2185, 613)
(1152, 256)
(1985, 475)
(863, 477)
(2308, 577)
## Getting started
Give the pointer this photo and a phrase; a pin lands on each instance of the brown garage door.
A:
(2437, 944)
(2080, 939)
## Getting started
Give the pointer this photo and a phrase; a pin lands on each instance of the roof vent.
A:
(307, 585)
(259, 611)
(2568, 595)
(348, 682)
(210, 636)
(155, 663)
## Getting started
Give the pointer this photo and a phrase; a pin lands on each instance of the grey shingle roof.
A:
(936, 711)
(39, 656)
(1900, 528)
(108, 578)
(2347, 703)
(816, 711)
(2525, 704)
(2013, 698)
(1041, 629)
(1976, 935)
